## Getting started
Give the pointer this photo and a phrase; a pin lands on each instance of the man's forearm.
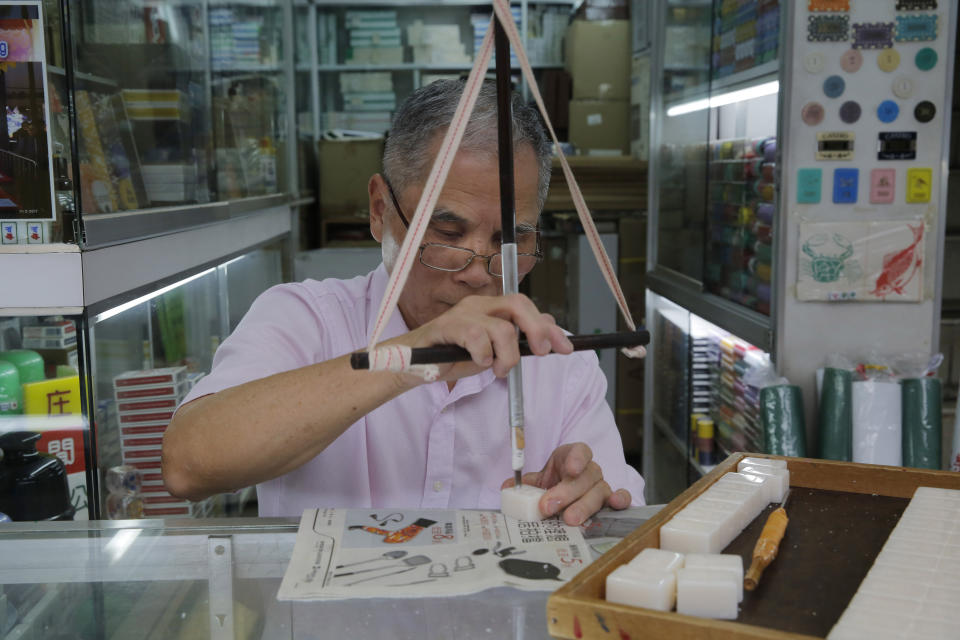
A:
(265, 428)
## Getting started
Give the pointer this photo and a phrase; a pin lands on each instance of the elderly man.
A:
(283, 409)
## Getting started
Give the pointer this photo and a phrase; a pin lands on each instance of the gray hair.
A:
(429, 110)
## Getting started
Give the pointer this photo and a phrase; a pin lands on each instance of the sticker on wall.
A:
(873, 35)
(828, 28)
(828, 5)
(861, 261)
(917, 28)
(916, 5)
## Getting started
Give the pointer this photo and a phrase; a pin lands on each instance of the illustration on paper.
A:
(825, 265)
(341, 553)
(861, 261)
(900, 267)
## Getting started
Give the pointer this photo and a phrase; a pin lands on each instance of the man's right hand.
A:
(486, 326)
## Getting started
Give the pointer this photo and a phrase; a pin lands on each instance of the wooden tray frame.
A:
(578, 610)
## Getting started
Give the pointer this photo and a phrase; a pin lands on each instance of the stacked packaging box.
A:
(438, 44)
(740, 223)
(598, 59)
(373, 37)
(368, 91)
(736, 405)
(163, 113)
(237, 41)
(546, 26)
(145, 403)
(481, 22)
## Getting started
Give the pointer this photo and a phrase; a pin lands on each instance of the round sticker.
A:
(850, 111)
(926, 59)
(812, 113)
(924, 111)
(888, 111)
(813, 62)
(903, 87)
(833, 86)
(888, 60)
(851, 60)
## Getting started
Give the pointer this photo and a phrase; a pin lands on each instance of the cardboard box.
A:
(600, 127)
(345, 169)
(598, 58)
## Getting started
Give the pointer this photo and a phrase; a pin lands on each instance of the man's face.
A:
(467, 214)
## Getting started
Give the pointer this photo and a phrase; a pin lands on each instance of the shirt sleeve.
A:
(587, 418)
(282, 331)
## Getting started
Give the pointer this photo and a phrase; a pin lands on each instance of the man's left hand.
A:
(574, 484)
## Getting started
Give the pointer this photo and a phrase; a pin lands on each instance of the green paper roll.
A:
(11, 393)
(28, 363)
(922, 428)
(781, 414)
(836, 415)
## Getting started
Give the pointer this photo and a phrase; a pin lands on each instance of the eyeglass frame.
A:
(489, 258)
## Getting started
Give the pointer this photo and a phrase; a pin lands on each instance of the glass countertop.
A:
(219, 579)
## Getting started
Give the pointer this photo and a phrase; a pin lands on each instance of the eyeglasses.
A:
(445, 257)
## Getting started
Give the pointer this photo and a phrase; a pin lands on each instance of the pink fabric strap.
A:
(438, 175)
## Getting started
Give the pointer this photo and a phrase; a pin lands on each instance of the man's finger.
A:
(591, 502)
(576, 460)
(619, 499)
(569, 490)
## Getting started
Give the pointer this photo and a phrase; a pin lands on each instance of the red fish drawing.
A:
(899, 267)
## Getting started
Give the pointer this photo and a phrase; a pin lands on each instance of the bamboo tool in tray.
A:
(767, 544)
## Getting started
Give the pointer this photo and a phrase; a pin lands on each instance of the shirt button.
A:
(437, 486)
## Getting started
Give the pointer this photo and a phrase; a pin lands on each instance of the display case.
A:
(144, 117)
(100, 386)
(781, 154)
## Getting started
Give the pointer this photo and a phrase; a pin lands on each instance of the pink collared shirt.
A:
(430, 447)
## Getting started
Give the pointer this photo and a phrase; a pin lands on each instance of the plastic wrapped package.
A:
(781, 413)
(877, 427)
(836, 414)
(921, 420)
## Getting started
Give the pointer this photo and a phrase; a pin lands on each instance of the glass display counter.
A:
(212, 579)
(78, 381)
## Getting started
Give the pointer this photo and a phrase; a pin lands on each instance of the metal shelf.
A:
(84, 77)
(668, 433)
(412, 66)
(748, 77)
(755, 328)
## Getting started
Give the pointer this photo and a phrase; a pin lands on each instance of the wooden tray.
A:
(840, 516)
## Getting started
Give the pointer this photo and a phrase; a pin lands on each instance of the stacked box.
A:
(61, 335)
(374, 37)
(546, 26)
(237, 41)
(145, 403)
(481, 22)
(437, 44)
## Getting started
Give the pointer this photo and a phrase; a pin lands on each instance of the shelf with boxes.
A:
(174, 107)
(400, 46)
